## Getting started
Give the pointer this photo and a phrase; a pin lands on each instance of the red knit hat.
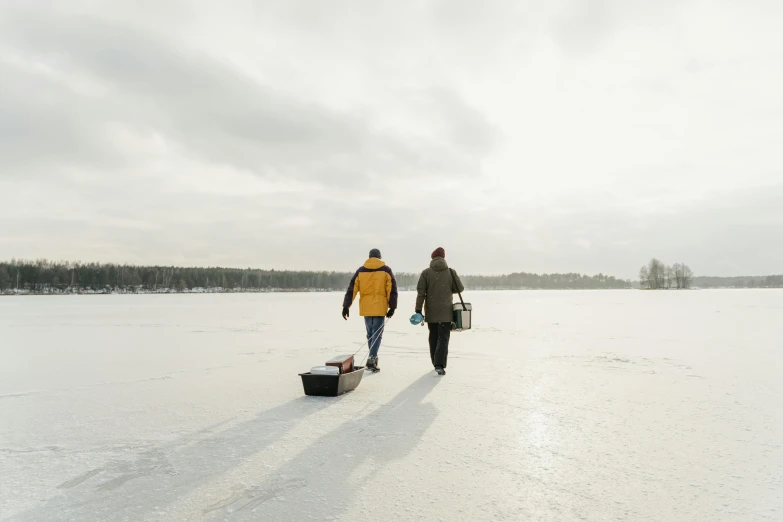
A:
(438, 252)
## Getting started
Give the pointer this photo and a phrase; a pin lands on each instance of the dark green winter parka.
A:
(436, 288)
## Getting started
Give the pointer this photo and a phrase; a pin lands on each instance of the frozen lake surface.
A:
(607, 405)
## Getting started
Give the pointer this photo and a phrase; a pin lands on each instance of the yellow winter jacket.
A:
(375, 283)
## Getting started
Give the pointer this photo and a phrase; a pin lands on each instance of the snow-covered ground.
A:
(606, 405)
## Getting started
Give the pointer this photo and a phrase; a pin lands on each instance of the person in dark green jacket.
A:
(436, 288)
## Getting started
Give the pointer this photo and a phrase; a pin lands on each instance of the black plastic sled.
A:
(331, 385)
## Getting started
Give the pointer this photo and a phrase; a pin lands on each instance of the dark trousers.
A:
(439, 343)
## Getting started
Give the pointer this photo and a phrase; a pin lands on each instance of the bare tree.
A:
(687, 276)
(677, 269)
(683, 275)
(656, 274)
(644, 277)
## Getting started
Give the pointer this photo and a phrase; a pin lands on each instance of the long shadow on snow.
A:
(322, 480)
(131, 489)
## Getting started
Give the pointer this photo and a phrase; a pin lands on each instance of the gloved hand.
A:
(346, 313)
(390, 313)
(419, 312)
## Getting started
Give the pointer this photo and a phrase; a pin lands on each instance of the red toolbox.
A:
(344, 362)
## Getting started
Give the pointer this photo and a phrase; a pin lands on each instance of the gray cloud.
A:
(213, 110)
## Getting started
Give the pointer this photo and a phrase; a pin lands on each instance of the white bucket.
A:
(325, 370)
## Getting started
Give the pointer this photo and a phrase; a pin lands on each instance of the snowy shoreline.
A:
(13, 293)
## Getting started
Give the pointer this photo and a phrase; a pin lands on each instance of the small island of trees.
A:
(658, 276)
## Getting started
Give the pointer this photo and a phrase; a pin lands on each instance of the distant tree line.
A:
(658, 276)
(525, 281)
(770, 281)
(43, 276)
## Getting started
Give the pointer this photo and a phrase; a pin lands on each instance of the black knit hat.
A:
(375, 253)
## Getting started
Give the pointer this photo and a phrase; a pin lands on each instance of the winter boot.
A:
(372, 364)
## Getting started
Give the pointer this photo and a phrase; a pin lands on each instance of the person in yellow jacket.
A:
(375, 283)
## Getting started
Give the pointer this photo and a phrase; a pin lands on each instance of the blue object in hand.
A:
(417, 319)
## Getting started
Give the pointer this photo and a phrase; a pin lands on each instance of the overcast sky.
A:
(557, 136)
